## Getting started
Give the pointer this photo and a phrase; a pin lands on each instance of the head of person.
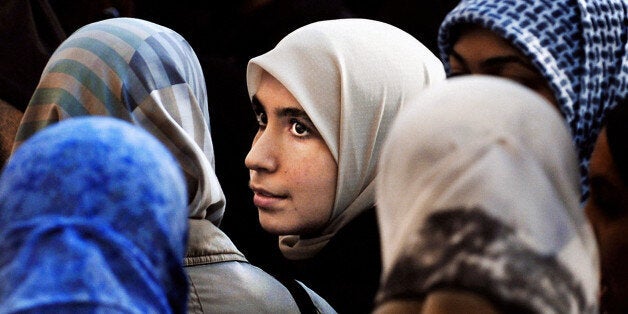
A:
(324, 98)
(570, 52)
(607, 207)
(478, 191)
(142, 73)
(86, 227)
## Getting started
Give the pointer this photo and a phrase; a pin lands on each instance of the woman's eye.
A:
(609, 205)
(299, 129)
(262, 120)
(607, 199)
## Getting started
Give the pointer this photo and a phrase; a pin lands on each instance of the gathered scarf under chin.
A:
(294, 247)
(351, 76)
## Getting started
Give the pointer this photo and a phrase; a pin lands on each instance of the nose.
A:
(262, 155)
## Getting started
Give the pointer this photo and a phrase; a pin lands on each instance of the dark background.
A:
(224, 35)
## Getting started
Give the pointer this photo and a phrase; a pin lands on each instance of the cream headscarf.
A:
(351, 76)
(479, 190)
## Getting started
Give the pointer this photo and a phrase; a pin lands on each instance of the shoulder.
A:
(237, 287)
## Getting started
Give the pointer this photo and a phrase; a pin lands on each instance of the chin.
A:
(275, 225)
(279, 225)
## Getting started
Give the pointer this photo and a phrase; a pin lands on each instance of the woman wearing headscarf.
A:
(86, 228)
(148, 75)
(574, 52)
(607, 208)
(324, 98)
(478, 203)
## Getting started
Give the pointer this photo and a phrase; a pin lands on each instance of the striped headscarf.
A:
(579, 46)
(143, 73)
(85, 227)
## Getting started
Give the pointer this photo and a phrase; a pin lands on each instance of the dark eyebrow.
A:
(293, 113)
(496, 62)
(290, 112)
(458, 57)
(501, 61)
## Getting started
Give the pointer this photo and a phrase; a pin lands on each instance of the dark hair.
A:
(617, 137)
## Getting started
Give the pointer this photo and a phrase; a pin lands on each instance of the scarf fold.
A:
(351, 76)
(579, 46)
(478, 190)
(87, 228)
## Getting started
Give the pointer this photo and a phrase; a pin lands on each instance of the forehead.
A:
(478, 43)
(271, 93)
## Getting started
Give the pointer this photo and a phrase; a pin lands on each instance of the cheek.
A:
(313, 175)
(613, 245)
(614, 248)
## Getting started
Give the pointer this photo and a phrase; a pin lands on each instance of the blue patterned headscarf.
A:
(579, 46)
(85, 227)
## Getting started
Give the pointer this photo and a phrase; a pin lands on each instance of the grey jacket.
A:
(223, 281)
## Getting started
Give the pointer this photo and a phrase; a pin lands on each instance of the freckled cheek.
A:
(312, 176)
(306, 173)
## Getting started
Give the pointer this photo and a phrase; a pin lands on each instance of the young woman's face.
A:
(480, 51)
(293, 173)
(607, 210)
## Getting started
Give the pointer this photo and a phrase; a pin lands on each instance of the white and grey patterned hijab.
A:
(579, 46)
(351, 76)
(478, 191)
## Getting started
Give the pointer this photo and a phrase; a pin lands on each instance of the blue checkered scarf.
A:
(86, 228)
(579, 46)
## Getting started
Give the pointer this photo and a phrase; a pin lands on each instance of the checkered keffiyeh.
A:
(579, 46)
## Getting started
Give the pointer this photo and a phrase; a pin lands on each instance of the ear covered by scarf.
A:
(86, 227)
(479, 190)
(351, 76)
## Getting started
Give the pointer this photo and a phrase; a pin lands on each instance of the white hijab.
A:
(350, 76)
(489, 146)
